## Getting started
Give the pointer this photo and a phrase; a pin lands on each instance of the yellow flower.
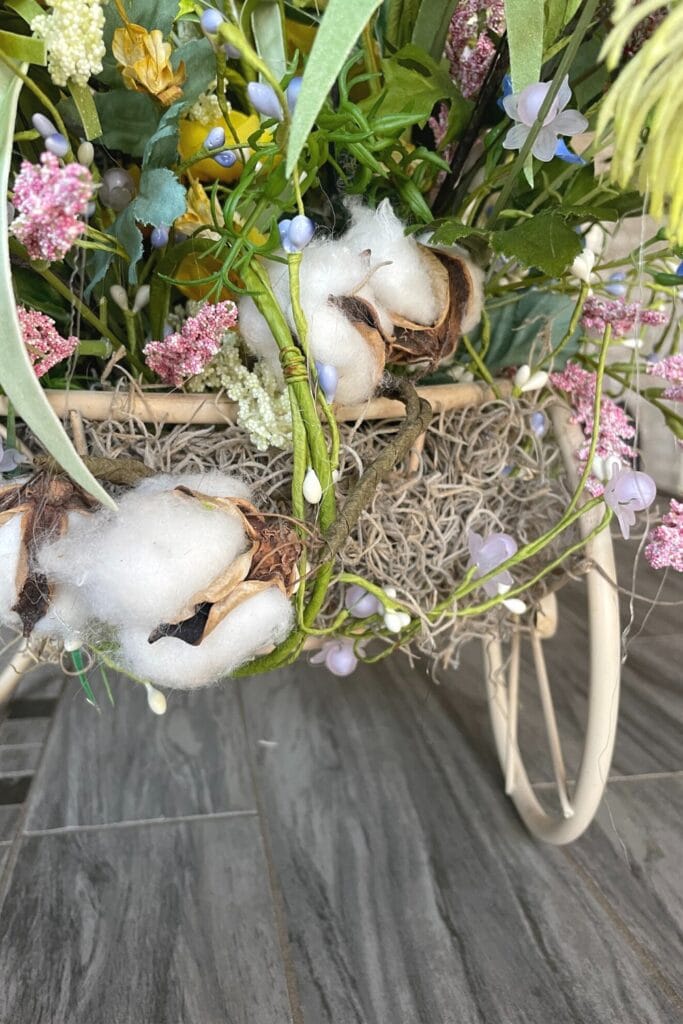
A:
(193, 133)
(145, 61)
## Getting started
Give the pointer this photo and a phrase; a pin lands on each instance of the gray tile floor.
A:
(300, 848)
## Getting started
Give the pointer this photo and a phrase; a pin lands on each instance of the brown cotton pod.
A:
(456, 284)
(44, 501)
(270, 561)
(363, 318)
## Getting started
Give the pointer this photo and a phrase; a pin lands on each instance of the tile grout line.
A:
(134, 822)
(638, 777)
(277, 898)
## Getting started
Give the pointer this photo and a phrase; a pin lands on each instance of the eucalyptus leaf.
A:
(17, 376)
(534, 322)
(341, 25)
(544, 241)
(200, 68)
(127, 119)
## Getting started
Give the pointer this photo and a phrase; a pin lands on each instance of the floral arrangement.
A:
(318, 211)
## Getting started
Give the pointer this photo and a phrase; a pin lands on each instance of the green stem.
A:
(47, 103)
(87, 314)
(573, 323)
(483, 372)
(11, 428)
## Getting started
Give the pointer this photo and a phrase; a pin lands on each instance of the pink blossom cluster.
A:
(44, 343)
(615, 428)
(470, 48)
(624, 317)
(51, 200)
(643, 31)
(665, 548)
(671, 370)
(185, 353)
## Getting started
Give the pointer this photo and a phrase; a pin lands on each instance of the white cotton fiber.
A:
(212, 482)
(10, 546)
(256, 624)
(143, 563)
(404, 287)
(252, 324)
(67, 617)
(472, 315)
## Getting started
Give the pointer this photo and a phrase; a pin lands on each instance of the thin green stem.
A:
(87, 314)
(37, 91)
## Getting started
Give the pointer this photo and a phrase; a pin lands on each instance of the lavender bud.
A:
(159, 237)
(340, 659)
(539, 423)
(210, 21)
(231, 52)
(263, 98)
(57, 144)
(328, 378)
(43, 125)
(301, 231)
(292, 92)
(283, 228)
(360, 603)
(215, 139)
(226, 159)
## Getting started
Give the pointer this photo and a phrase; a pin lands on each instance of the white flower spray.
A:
(73, 37)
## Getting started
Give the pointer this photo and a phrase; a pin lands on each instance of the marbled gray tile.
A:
(632, 852)
(19, 760)
(148, 924)
(411, 891)
(19, 731)
(124, 763)
(10, 815)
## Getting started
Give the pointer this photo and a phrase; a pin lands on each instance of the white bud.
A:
(594, 239)
(312, 491)
(336, 476)
(156, 700)
(522, 375)
(514, 605)
(404, 618)
(535, 382)
(390, 592)
(583, 265)
(86, 153)
(393, 622)
(634, 343)
(142, 298)
(119, 296)
(73, 643)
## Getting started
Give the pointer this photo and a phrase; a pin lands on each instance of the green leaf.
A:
(26, 9)
(32, 291)
(399, 18)
(670, 280)
(127, 119)
(450, 231)
(414, 82)
(342, 23)
(24, 49)
(536, 321)
(524, 19)
(431, 25)
(150, 14)
(558, 13)
(543, 241)
(160, 199)
(268, 29)
(87, 111)
(17, 376)
(200, 67)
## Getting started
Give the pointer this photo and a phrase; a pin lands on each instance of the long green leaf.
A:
(524, 19)
(87, 111)
(17, 377)
(342, 23)
(268, 28)
(431, 25)
(22, 48)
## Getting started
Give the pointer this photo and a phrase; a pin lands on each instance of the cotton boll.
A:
(10, 550)
(213, 482)
(67, 616)
(406, 286)
(141, 564)
(471, 315)
(261, 621)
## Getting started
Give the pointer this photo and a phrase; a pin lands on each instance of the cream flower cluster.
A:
(73, 37)
(263, 405)
(206, 110)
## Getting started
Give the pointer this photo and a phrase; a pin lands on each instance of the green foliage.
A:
(544, 241)
(431, 25)
(32, 291)
(524, 20)
(17, 376)
(342, 23)
(160, 199)
(127, 118)
(22, 48)
(398, 18)
(558, 14)
(268, 29)
(533, 322)
(413, 83)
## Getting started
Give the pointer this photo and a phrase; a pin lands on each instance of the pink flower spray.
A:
(186, 353)
(44, 343)
(50, 200)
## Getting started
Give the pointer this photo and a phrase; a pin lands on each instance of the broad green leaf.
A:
(413, 84)
(200, 68)
(268, 30)
(17, 376)
(398, 19)
(535, 322)
(543, 241)
(342, 23)
(524, 19)
(87, 111)
(22, 48)
(450, 231)
(31, 290)
(558, 13)
(128, 119)
(26, 9)
(160, 199)
(431, 25)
